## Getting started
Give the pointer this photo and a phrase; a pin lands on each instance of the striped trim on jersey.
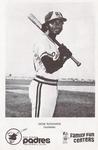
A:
(38, 100)
(46, 54)
(46, 80)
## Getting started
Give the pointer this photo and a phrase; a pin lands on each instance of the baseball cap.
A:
(54, 15)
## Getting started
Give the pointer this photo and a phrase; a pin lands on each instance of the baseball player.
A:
(47, 59)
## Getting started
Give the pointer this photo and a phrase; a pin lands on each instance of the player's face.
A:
(56, 26)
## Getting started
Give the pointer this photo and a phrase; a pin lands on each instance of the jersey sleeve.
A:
(50, 65)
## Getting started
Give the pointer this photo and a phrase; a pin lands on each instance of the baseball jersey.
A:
(42, 47)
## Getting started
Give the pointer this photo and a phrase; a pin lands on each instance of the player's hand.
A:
(64, 51)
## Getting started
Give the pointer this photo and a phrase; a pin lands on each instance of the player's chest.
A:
(53, 49)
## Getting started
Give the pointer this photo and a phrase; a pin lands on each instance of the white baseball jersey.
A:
(43, 46)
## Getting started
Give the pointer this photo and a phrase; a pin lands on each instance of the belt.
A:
(46, 80)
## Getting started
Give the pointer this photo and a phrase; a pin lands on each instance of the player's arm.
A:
(53, 65)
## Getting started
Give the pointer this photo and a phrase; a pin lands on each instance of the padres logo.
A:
(13, 136)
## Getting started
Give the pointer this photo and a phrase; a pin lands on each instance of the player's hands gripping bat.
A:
(65, 51)
(39, 25)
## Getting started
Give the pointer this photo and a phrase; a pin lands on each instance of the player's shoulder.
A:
(41, 38)
(41, 42)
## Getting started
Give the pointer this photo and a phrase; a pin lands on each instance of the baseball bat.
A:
(36, 22)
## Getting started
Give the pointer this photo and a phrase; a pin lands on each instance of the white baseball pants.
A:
(43, 95)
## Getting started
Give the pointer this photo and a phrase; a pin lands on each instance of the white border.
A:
(71, 124)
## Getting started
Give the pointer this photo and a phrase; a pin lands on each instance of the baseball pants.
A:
(43, 95)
